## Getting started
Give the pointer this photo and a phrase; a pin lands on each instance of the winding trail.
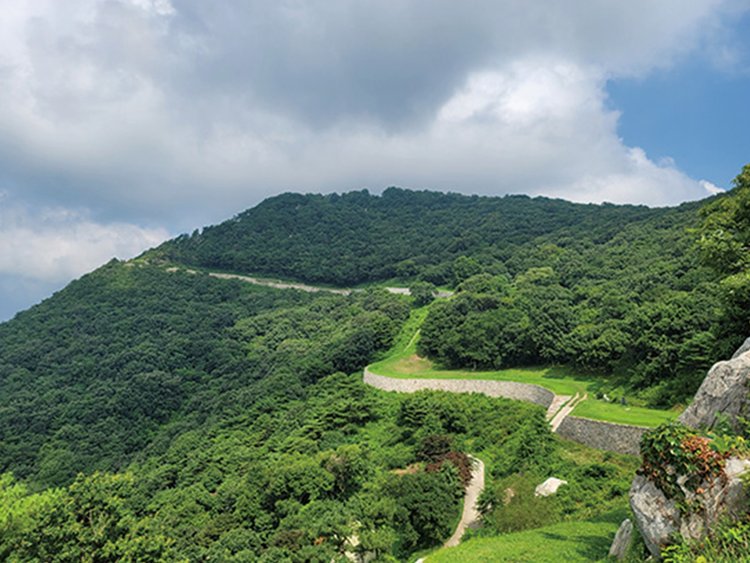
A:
(278, 284)
(470, 516)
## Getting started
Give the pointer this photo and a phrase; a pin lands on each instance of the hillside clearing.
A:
(403, 362)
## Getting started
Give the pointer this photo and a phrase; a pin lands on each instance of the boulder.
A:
(621, 543)
(724, 393)
(549, 487)
(658, 517)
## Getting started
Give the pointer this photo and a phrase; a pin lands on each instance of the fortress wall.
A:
(620, 438)
(508, 389)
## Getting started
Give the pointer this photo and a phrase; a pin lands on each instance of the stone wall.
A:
(508, 389)
(620, 438)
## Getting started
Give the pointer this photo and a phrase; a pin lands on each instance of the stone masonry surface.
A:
(508, 389)
(620, 438)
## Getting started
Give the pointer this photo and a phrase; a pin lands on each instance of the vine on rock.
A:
(679, 461)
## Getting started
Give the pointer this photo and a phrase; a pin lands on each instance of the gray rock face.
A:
(620, 544)
(742, 349)
(724, 392)
(659, 517)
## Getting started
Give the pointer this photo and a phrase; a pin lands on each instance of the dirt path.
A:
(279, 284)
(302, 286)
(470, 516)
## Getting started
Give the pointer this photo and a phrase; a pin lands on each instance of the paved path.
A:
(470, 516)
(279, 284)
(556, 404)
(566, 410)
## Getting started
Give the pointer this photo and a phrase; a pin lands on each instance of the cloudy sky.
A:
(125, 122)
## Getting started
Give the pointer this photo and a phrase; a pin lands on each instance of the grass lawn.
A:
(403, 362)
(588, 540)
(614, 412)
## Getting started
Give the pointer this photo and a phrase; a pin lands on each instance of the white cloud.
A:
(57, 244)
(712, 189)
(189, 111)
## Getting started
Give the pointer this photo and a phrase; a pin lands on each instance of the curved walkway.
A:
(567, 408)
(470, 516)
(279, 284)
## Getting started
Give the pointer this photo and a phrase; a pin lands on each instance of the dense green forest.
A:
(152, 413)
(442, 238)
(614, 290)
(224, 411)
(87, 377)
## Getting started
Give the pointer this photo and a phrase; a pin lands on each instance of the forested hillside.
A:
(358, 238)
(150, 411)
(235, 433)
(89, 376)
(614, 290)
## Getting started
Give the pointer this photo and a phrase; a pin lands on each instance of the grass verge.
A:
(586, 540)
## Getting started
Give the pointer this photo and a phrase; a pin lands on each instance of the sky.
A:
(126, 122)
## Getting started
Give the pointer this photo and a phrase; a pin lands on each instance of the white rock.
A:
(549, 487)
(658, 517)
(723, 394)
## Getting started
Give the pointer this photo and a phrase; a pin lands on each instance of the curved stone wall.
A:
(508, 389)
(619, 438)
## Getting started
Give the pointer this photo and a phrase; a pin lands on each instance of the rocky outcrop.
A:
(693, 511)
(621, 543)
(742, 349)
(659, 518)
(724, 393)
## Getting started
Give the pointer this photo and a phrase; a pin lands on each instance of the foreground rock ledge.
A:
(724, 392)
(658, 518)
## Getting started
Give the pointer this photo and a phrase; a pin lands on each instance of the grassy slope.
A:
(402, 362)
(587, 540)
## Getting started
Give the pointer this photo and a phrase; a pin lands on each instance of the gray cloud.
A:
(146, 109)
(56, 244)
